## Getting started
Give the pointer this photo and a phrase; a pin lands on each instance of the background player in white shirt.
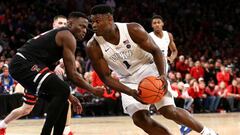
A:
(127, 49)
(163, 39)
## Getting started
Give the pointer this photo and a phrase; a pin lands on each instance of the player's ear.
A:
(69, 23)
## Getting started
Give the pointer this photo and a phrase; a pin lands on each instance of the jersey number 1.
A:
(126, 64)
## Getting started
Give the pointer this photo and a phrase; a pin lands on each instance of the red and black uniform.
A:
(31, 68)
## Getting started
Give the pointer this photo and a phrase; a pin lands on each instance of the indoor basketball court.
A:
(223, 123)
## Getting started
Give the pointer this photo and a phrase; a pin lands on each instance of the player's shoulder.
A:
(134, 26)
(151, 33)
(170, 35)
(135, 29)
(92, 42)
(64, 32)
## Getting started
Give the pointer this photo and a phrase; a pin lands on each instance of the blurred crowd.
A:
(205, 75)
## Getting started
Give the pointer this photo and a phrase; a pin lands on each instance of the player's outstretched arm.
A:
(68, 41)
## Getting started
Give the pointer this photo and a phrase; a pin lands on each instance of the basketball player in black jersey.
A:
(31, 67)
(109, 36)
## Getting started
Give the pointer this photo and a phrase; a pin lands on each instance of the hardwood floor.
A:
(224, 124)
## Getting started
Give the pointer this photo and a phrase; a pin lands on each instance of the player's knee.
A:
(169, 112)
(141, 119)
(26, 109)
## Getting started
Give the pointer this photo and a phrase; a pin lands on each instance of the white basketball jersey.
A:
(126, 58)
(163, 42)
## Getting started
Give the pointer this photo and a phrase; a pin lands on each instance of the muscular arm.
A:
(173, 49)
(141, 37)
(69, 46)
(101, 67)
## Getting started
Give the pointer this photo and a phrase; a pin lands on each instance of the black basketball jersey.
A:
(43, 48)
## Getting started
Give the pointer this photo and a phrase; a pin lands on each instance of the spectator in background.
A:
(218, 64)
(212, 100)
(197, 71)
(233, 96)
(6, 81)
(188, 100)
(223, 76)
(179, 77)
(187, 78)
(1, 66)
(172, 77)
(181, 66)
(179, 101)
(110, 95)
(222, 92)
(196, 91)
(211, 72)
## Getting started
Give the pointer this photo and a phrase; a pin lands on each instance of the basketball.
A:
(151, 89)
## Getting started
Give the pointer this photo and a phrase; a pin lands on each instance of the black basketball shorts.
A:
(29, 74)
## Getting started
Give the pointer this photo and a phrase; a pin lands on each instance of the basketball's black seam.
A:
(154, 83)
(148, 96)
(156, 97)
(148, 89)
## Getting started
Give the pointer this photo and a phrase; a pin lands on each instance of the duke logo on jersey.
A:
(126, 57)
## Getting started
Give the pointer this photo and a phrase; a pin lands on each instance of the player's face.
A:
(100, 24)
(79, 27)
(157, 24)
(60, 22)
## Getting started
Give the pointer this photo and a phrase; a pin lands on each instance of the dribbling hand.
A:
(135, 94)
(77, 107)
(164, 79)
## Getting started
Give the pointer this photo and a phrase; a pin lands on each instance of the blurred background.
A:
(206, 33)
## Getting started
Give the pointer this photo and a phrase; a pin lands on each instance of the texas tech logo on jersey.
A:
(35, 68)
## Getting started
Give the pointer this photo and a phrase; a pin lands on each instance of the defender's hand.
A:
(58, 70)
(98, 91)
(77, 107)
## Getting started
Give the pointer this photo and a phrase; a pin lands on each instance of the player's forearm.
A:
(160, 62)
(80, 82)
(174, 54)
(116, 85)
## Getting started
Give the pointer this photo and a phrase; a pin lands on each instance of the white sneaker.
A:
(209, 132)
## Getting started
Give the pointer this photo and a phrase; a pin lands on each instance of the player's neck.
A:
(113, 35)
(159, 33)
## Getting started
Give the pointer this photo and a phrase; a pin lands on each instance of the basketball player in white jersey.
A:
(163, 39)
(127, 49)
